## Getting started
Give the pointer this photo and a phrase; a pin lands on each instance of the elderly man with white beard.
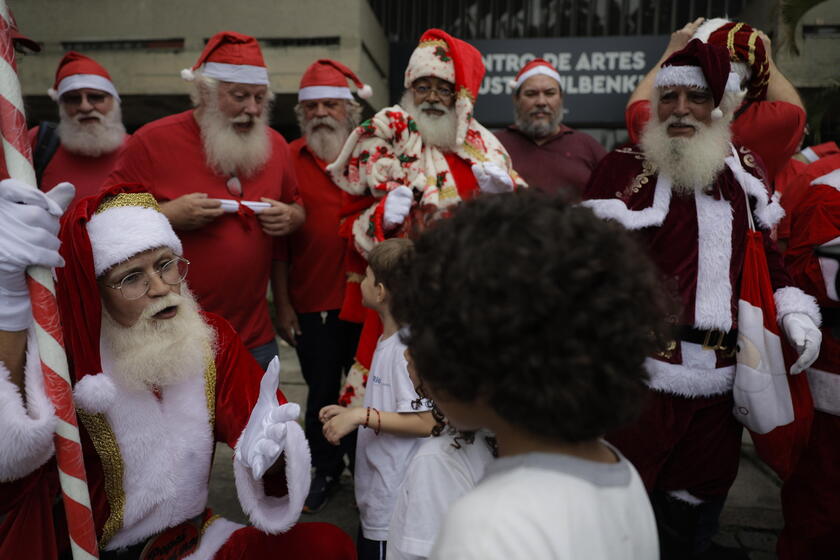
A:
(411, 164)
(90, 135)
(226, 182)
(687, 191)
(309, 316)
(156, 383)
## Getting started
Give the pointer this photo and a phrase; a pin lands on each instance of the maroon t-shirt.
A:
(566, 160)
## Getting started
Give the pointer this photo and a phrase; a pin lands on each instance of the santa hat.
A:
(77, 71)
(744, 46)
(440, 55)
(99, 232)
(230, 57)
(327, 79)
(533, 68)
(703, 66)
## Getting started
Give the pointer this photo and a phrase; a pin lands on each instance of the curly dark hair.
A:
(538, 308)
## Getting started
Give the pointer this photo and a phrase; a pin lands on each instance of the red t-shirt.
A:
(771, 129)
(316, 252)
(87, 174)
(230, 258)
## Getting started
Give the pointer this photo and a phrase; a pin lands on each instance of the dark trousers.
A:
(265, 353)
(325, 350)
(367, 549)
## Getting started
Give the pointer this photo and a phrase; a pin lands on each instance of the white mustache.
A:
(169, 300)
(242, 119)
(94, 113)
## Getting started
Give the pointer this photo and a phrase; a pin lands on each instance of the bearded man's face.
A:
(326, 123)
(679, 104)
(538, 106)
(243, 104)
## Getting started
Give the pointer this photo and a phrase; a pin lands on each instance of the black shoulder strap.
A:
(45, 148)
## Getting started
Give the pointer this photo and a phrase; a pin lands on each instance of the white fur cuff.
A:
(267, 513)
(794, 300)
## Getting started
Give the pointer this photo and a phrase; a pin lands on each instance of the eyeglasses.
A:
(442, 92)
(75, 99)
(136, 284)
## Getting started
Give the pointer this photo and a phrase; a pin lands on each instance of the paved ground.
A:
(751, 519)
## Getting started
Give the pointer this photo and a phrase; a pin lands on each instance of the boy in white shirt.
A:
(390, 424)
(533, 319)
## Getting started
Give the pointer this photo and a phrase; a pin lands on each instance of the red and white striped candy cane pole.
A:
(68, 449)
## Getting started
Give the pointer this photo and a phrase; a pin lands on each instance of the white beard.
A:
(692, 163)
(91, 139)
(326, 143)
(230, 152)
(158, 352)
(437, 131)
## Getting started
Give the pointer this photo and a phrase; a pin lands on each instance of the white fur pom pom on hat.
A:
(365, 92)
(187, 75)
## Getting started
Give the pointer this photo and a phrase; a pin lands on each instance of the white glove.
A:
(491, 178)
(264, 437)
(29, 222)
(805, 337)
(397, 205)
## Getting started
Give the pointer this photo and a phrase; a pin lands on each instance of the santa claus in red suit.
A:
(810, 495)
(157, 383)
(687, 190)
(414, 162)
(771, 119)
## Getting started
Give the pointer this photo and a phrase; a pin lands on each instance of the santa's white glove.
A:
(29, 222)
(264, 437)
(397, 205)
(491, 178)
(805, 337)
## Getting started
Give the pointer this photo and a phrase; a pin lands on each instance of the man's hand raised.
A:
(191, 211)
(281, 218)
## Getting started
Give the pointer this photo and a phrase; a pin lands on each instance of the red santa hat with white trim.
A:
(538, 66)
(327, 79)
(77, 71)
(99, 232)
(700, 65)
(230, 57)
(441, 55)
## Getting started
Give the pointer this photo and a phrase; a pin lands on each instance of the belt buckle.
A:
(718, 337)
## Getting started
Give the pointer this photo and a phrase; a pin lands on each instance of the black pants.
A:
(325, 350)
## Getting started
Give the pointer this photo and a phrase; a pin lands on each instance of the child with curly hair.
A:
(389, 426)
(533, 319)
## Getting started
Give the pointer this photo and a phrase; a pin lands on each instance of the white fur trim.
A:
(697, 376)
(187, 75)
(809, 154)
(363, 242)
(267, 513)
(708, 27)
(92, 81)
(166, 447)
(236, 73)
(681, 76)
(614, 209)
(685, 496)
(793, 300)
(825, 390)
(52, 94)
(118, 234)
(365, 92)
(536, 70)
(324, 92)
(214, 537)
(713, 296)
(829, 268)
(27, 430)
(831, 180)
(768, 211)
(95, 393)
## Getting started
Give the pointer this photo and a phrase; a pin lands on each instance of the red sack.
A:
(774, 406)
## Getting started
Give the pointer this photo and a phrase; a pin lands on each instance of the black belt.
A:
(712, 338)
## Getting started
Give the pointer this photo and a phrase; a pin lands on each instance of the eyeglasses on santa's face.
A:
(135, 285)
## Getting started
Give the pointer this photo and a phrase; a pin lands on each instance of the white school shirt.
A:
(552, 507)
(382, 460)
(438, 475)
